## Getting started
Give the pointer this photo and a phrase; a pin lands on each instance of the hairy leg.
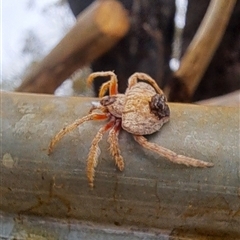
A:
(133, 79)
(95, 152)
(114, 146)
(170, 155)
(98, 106)
(110, 85)
(59, 136)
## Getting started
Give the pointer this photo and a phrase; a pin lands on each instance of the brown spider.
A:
(140, 111)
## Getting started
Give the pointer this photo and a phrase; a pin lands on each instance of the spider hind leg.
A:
(170, 155)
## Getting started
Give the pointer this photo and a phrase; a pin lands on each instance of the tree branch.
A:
(98, 29)
(201, 50)
(151, 191)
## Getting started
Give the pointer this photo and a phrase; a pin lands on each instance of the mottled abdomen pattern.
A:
(137, 117)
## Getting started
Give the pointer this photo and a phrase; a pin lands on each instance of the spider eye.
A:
(159, 106)
(107, 100)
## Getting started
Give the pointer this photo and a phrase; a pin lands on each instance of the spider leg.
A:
(98, 107)
(114, 146)
(58, 136)
(170, 155)
(133, 79)
(110, 85)
(94, 152)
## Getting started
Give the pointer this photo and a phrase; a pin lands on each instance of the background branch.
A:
(97, 29)
(201, 49)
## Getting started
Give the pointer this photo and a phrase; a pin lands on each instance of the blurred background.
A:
(31, 28)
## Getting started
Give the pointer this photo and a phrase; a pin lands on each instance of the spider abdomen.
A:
(138, 117)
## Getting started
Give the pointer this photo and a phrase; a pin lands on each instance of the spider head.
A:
(159, 106)
(108, 100)
(114, 104)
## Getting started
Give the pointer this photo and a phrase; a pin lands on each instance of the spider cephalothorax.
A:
(140, 111)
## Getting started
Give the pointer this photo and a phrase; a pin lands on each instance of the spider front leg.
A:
(110, 85)
(59, 136)
(98, 106)
(133, 79)
(94, 152)
(170, 155)
(114, 146)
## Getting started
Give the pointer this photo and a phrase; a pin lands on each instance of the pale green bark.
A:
(150, 192)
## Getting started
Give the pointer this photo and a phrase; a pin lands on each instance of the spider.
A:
(142, 110)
